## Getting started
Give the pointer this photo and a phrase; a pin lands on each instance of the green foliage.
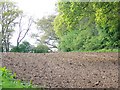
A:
(68, 42)
(41, 49)
(46, 25)
(99, 50)
(88, 26)
(108, 50)
(9, 12)
(24, 47)
(76, 40)
(9, 81)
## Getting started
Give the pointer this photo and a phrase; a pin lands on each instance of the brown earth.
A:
(66, 70)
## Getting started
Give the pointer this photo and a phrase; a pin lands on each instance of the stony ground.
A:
(66, 70)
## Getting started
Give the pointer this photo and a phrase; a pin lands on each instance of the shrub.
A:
(24, 47)
(41, 49)
(9, 81)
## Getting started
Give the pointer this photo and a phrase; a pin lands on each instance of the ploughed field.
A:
(65, 70)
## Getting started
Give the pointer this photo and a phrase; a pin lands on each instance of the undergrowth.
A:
(7, 80)
(101, 50)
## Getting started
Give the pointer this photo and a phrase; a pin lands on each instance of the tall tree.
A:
(23, 31)
(87, 25)
(107, 22)
(46, 25)
(9, 13)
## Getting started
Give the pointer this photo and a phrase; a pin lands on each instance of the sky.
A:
(37, 9)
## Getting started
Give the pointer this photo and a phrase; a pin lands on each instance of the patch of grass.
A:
(101, 50)
(108, 50)
(7, 80)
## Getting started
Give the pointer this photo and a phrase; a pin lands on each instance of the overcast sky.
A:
(36, 9)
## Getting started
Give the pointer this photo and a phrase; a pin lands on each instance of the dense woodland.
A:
(88, 25)
(79, 26)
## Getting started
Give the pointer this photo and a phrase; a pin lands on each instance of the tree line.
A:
(12, 19)
(79, 26)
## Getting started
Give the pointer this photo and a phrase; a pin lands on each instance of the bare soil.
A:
(65, 70)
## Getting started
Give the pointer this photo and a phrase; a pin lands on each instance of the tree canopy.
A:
(87, 25)
(8, 13)
(45, 25)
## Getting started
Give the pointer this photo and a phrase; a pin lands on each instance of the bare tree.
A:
(23, 31)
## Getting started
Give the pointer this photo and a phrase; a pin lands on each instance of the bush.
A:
(85, 41)
(68, 42)
(9, 81)
(24, 47)
(41, 49)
